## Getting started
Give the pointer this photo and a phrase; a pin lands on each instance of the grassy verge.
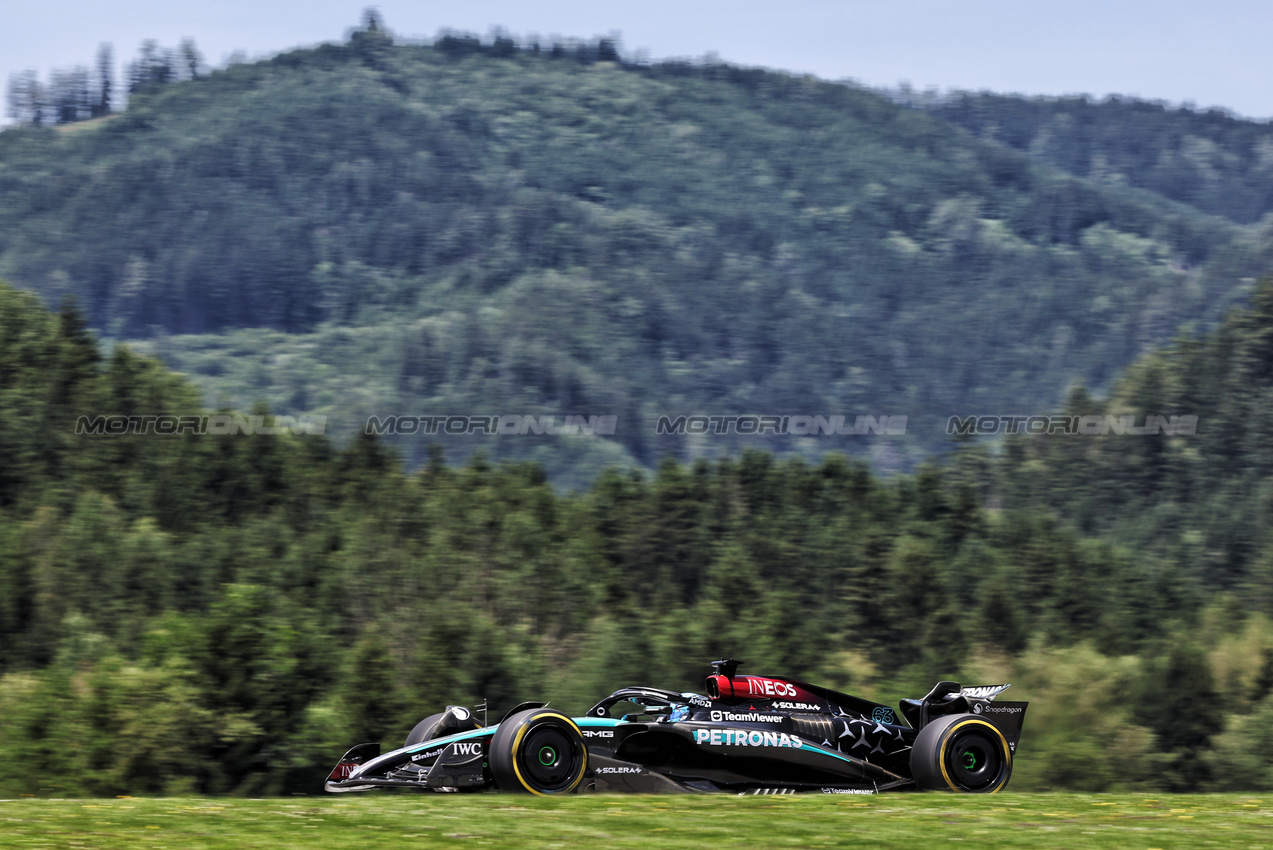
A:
(902, 821)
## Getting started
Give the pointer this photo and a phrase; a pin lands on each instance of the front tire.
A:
(456, 718)
(538, 752)
(961, 752)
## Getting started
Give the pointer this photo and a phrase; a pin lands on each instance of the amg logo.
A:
(743, 738)
(598, 733)
(618, 770)
(749, 717)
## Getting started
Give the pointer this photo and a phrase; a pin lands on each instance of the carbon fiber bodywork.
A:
(746, 735)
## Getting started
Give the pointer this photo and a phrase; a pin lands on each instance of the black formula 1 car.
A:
(746, 735)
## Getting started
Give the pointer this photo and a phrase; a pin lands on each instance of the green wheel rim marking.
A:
(547, 756)
(970, 760)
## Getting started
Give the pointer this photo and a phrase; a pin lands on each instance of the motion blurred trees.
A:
(78, 94)
(242, 607)
(1210, 159)
(475, 224)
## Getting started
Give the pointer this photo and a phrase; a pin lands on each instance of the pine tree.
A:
(105, 80)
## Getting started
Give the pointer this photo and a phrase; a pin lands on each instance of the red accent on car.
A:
(752, 687)
(342, 771)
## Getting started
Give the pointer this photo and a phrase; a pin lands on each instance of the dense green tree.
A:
(374, 228)
(242, 606)
(1177, 701)
(1208, 158)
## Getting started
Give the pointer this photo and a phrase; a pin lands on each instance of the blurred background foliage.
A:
(226, 614)
(502, 226)
(507, 227)
(1208, 159)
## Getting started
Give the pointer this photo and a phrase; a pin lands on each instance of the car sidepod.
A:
(714, 756)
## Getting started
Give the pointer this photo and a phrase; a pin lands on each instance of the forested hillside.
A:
(1211, 160)
(240, 608)
(1201, 502)
(373, 228)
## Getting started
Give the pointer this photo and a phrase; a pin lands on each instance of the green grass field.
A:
(1037, 821)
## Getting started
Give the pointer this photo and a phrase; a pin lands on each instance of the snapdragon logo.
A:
(744, 738)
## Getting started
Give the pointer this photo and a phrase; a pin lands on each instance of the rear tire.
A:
(961, 752)
(539, 752)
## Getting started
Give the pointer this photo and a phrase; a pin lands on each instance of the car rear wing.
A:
(953, 698)
(1007, 717)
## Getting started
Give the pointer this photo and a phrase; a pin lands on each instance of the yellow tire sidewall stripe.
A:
(517, 743)
(963, 724)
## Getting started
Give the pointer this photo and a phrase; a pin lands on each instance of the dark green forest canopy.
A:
(241, 608)
(369, 229)
(1210, 159)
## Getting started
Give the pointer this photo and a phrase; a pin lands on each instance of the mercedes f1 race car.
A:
(746, 735)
